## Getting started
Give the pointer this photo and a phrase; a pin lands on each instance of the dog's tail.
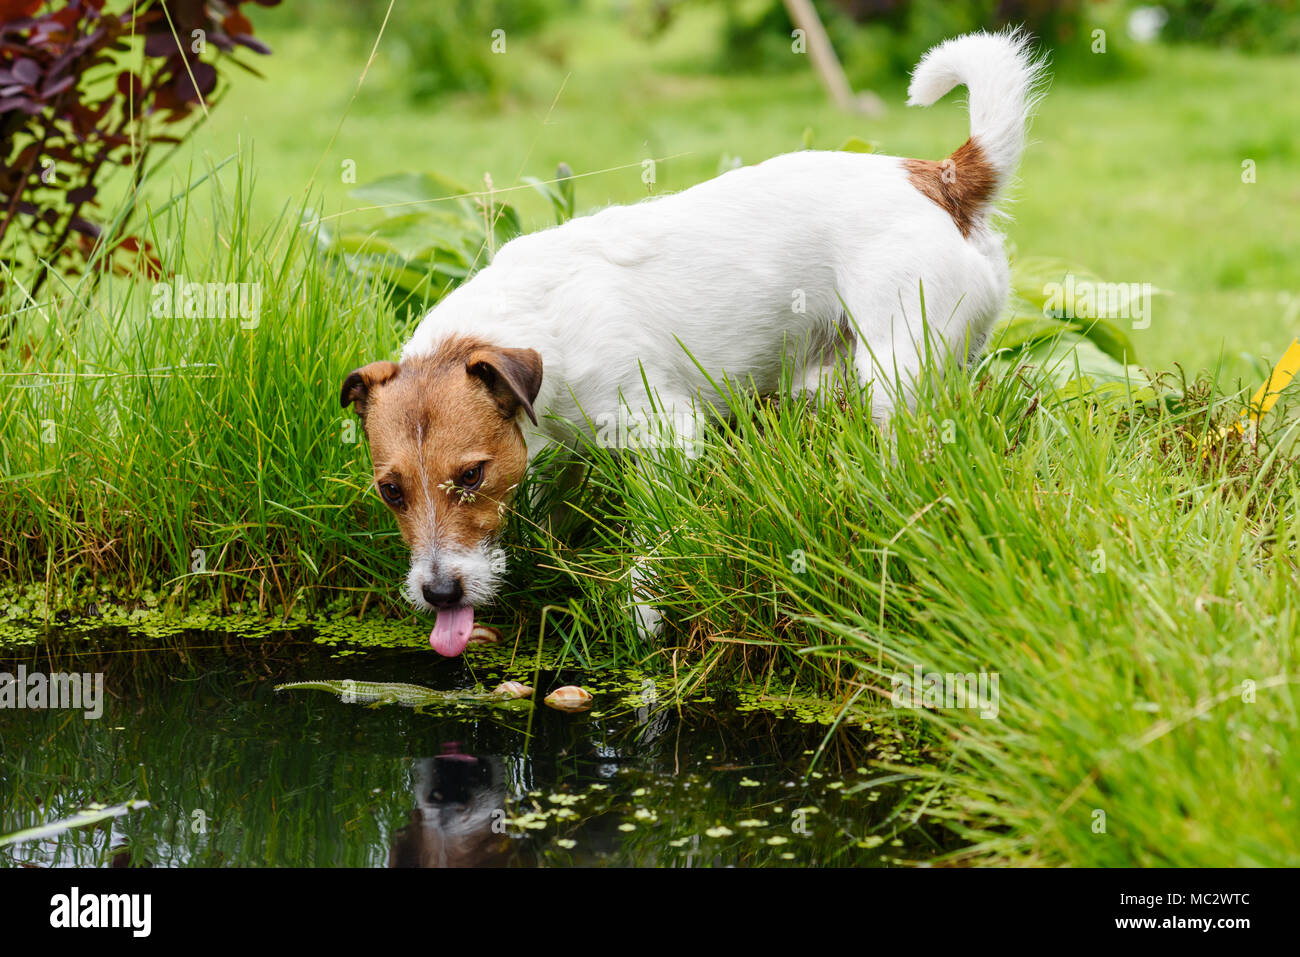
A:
(1005, 79)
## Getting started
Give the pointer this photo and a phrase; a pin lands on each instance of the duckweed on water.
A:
(28, 613)
(808, 709)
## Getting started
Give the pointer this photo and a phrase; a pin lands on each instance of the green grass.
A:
(131, 440)
(1126, 587)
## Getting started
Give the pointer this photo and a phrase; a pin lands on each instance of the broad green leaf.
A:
(856, 144)
(442, 252)
(365, 244)
(450, 270)
(1070, 357)
(559, 194)
(404, 192)
(415, 231)
(408, 280)
(1042, 286)
(1032, 276)
(1022, 331)
(1107, 337)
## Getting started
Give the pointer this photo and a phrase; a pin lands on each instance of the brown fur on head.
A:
(448, 454)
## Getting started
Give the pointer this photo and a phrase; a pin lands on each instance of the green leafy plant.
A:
(434, 232)
(1077, 355)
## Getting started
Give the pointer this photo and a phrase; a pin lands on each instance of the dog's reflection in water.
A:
(459, 798)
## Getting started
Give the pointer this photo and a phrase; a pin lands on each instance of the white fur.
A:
(477, 569)
(610, 300)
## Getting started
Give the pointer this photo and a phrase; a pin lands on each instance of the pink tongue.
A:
(451, 630)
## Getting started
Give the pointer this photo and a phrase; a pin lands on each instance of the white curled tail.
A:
(1005, 80)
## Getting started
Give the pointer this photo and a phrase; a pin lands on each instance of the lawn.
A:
(1128, 575)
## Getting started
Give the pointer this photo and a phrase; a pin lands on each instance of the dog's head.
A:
(448, 454)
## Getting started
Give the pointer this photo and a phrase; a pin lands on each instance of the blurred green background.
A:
(1134, 170)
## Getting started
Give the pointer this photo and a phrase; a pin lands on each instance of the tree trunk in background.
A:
(827, 63)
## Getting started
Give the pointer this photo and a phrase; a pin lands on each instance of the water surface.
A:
(237, 773)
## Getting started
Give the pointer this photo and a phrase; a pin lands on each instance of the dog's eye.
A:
(470, 479)
(391, 494)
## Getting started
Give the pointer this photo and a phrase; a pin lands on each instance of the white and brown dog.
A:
(811, 257)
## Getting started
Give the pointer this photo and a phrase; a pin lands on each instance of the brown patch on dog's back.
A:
(962, 185)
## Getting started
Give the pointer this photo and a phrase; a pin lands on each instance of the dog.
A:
(812, 258)
(458, 800)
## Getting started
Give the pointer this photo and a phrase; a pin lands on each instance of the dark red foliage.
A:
(88, 85)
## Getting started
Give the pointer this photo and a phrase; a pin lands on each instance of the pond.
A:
(235, 772)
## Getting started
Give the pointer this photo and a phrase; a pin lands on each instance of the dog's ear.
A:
(513, 376)
(357, 386)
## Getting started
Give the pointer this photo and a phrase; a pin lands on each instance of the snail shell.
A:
(569, 698)
(484, 635)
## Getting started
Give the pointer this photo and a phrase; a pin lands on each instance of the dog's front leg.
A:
(652, 469)
(663, 453)
(647, 618)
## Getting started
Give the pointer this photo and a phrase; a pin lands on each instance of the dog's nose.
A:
(444, 593)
